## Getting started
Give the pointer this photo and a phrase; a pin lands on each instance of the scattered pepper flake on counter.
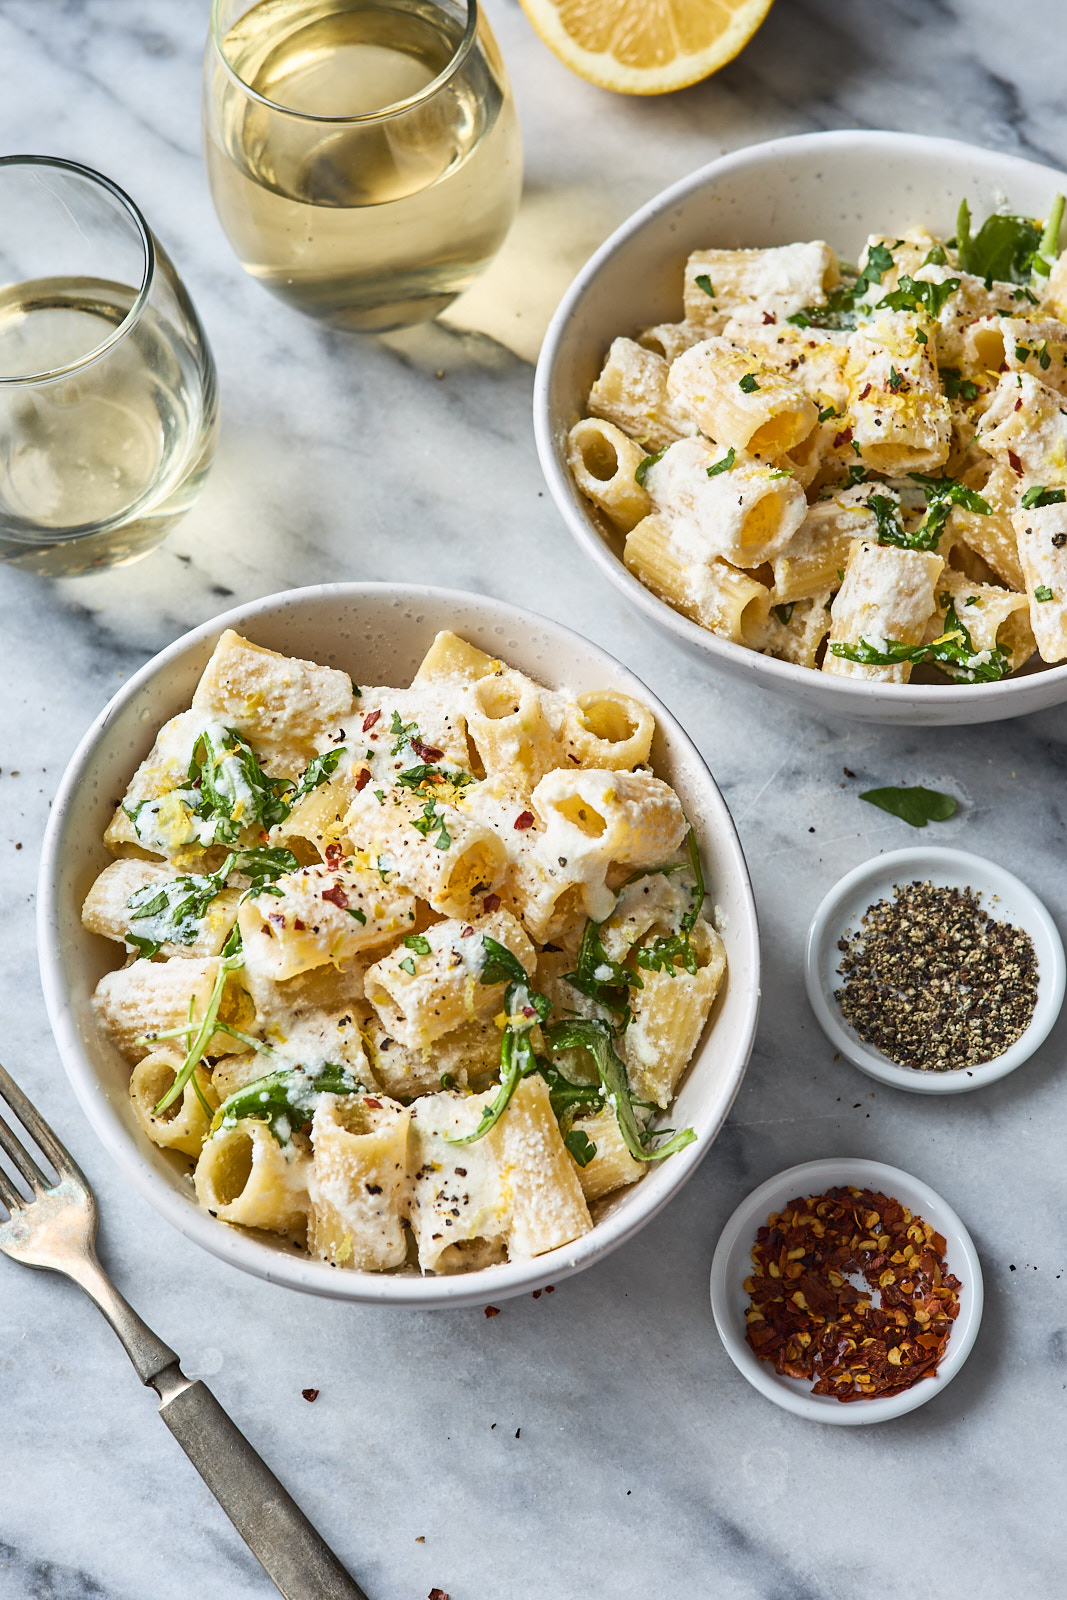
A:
(931, 981)
(437, 1594)
(810, 1321)
(492, 1311)
(310, 1394)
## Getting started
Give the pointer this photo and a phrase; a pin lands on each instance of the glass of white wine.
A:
(364, 155)
(108, 395)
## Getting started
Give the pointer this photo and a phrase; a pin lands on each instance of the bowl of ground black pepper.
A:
(934, 970)
(846, 1291)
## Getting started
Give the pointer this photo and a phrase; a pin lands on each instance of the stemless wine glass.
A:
(364, 155)
(108, 396)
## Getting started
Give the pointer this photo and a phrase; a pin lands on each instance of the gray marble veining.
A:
(595, 1442)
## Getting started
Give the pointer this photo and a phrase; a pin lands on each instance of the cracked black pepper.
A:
(933, 982)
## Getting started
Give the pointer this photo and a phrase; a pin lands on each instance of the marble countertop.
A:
(596, 1442)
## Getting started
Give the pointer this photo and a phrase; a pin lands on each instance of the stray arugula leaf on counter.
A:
(284, 1100)
(644, 466)
(748, 384)
(702, 281)
(724, 464)
(1037, 496)
(915, 806)
(1002, 251)
(595, 1037)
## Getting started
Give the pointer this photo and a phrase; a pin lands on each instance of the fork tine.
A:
(21, 1158)
(37, 1128)
(9, 1195)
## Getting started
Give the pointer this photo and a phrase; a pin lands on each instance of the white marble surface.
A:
(645, 1463)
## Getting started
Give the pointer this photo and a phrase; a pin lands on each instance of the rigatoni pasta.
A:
(366, 992)
(819, 443)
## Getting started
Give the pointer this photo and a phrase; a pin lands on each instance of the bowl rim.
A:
(961, 865)
(244, 1248)
(848, 694)
(793, 1394)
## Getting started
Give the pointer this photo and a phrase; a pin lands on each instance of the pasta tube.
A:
(632, 392)
(711, 592)
(604, 463)
(739, 400)
(887, 594)
(358, 1185)
(743, 512)
(1042, 535)
(900, 420)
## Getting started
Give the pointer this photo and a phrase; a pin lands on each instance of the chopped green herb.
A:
(402, 732)
(828, 412)
(935, 257)
(318, 772)
(920, 336)
(748, 384)
(913, 295)
(1043, 592)
(1022, 351)
(416, 942)
(416, 777)
(379, 795)
(357, 914)
(785, 613)
(915, 806)
(644, 466)
(724, 464)
(1038, 496)
(957, 388)
(702, 281)
(895, 380)
(357, 692)
(408, 966)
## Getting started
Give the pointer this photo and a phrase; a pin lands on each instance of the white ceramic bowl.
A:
(378, 633)
(834, 186)
(1005, 897)
(732, 1263)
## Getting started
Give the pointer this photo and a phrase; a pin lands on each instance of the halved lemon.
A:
(645, 46)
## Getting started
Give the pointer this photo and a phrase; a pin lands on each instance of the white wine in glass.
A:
(108, 400)
(364, 155)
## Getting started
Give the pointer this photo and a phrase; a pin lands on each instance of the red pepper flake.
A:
(491, 903)
(298, 925)
(492, 1311)
(369, 720)
(550, 1288)
(528, 1011)
(466, 932)
(428, 752)
(363, 779)
(525, 819)
(438, 1594)
(1017, 406)
(369, 1100)
(310, 1394)
(768, 318)
(863, 396)
(1016, 464)
(842, 438)
(263, 836)
(336, 896)
(810, 1321)
(277, 917)
(333, 856)
(537, 1294)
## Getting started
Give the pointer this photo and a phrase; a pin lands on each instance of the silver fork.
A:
(54, 1227)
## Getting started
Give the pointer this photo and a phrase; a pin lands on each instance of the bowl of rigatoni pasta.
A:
(807, 410)
(398, 944)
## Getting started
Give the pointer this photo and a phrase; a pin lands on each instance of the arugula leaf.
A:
(569, 1098)
(722, 465)
(174, 908)
(416, 777)
(595, 1037)
(598, 976)
(915, 806)
(1049, 247)
(935, 258)
(263, 864)
(232, 958)
(663, 952)
(954, 652)
(1037, 496)
(402, 732)
(941, 495)
(318, 772)
(580, 1146)
(1002, 250)
(284, 1100)
(524, 1009)
(828, 412)
(234, 791)
(690, 918)
(500, 966)
(650, 461)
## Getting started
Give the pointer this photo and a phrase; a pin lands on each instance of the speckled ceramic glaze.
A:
(378, 633)
(836, 186)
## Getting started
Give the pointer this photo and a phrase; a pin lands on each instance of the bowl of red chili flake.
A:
(846, 1291)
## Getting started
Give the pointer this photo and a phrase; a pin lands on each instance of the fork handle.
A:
(270, 1522)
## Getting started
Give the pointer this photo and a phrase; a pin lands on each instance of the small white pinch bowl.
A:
(732, 1264)
(1004, 897)
(378, 633)
(838, 186)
